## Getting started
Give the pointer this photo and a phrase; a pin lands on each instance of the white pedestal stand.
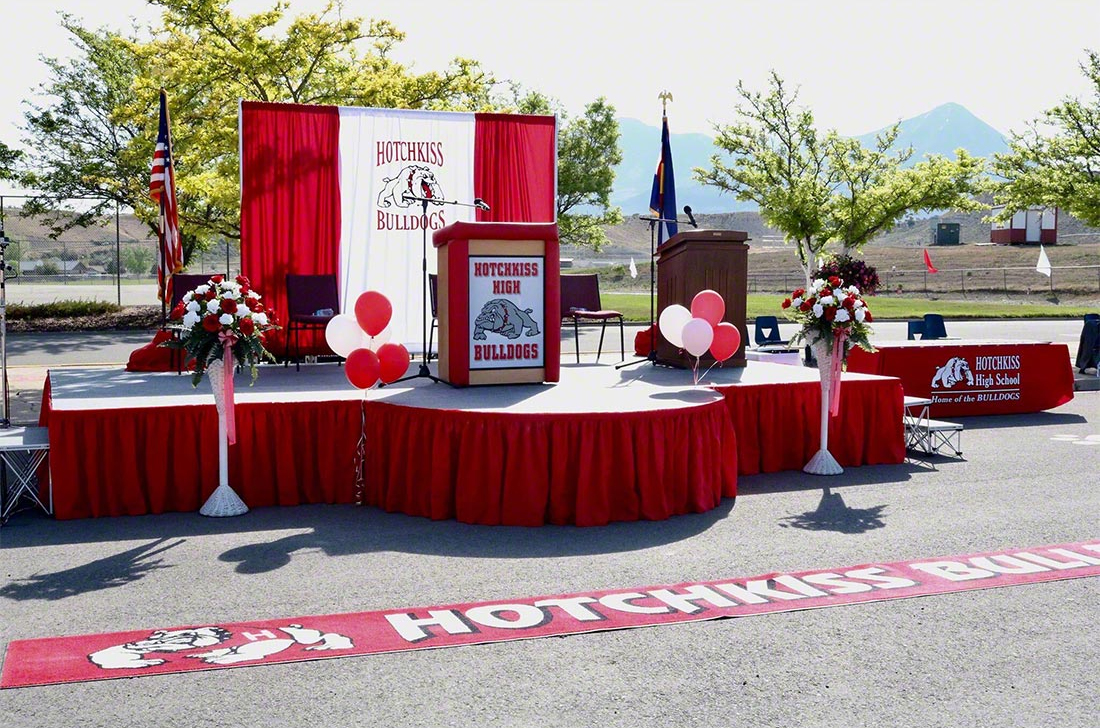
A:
(224, 501)
(823, 463)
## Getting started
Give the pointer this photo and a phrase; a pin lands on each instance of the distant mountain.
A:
(939, 131)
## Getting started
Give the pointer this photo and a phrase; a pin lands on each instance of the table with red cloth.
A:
(128, 444)
(975, 378)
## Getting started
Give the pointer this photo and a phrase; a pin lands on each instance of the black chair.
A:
(914, 329)
(1088, 348)
(580, 303)
(433, 295)
(312, 301)
(767, 332)
(934, 327)
(184, 283)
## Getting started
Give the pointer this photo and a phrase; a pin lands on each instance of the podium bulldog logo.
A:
(954, 371)
(161, 644)
(503, 317)
(415, 180)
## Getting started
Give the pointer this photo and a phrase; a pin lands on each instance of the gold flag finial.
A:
(665, 97)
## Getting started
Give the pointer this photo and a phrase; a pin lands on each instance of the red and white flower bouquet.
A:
(829, 310)
(219, 317)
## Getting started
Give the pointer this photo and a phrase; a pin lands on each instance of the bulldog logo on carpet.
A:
(506, 301)
(403, 192)
(991, 379)
(164, 645)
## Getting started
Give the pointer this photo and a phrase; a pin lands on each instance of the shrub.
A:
(852, 271)
(60, 309)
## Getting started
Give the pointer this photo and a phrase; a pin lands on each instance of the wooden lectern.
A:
(693, 261)
(498, 302)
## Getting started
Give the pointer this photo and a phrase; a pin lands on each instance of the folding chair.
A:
(580, 302)
(312, 301)
(433, 295)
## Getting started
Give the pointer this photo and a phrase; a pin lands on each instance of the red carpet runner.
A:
(213, 646)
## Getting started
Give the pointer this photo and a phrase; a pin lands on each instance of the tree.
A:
(823, 189)
(588, 151)
(137, 259)
(1055, 161)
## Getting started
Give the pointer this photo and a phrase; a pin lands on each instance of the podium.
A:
(499, 301)
(693, 261)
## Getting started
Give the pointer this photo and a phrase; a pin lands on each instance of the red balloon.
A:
(362, 368)
(373, 312)
(708, 305)
(727, 339)
(393, 360)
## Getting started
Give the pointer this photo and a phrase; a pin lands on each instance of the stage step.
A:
(931, 435)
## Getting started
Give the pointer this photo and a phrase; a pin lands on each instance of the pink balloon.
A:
(373, 312)
(697, 335)
(362, 368)
(727, 339)
(708, 305)
(394, 361)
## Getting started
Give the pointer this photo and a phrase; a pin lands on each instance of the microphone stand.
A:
(651, 357)
(5, 421)
(424, 372)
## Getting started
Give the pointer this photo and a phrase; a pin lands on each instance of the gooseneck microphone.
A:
(691, 218)
(481, 204)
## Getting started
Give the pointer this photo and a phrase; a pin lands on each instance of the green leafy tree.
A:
(588, 151)
(1055, 161)
(823, 189)
(137, 259)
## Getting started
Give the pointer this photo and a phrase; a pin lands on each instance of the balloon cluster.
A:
(701, 328)
(364, 341)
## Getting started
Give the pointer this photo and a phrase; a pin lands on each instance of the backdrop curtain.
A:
(516, 142)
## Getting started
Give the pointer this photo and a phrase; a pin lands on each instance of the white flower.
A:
(858, 303)
(817, 284)
(213, 305)
(191, 318)
(841, 315)
(259, 318)
(193, 306)
(253, 294)
(853, 290)
(818, 310)
(229, 295)
(796, 302)
(187, 296)
(201, 290)
(827, 301)
(861, 314)
(226, 319)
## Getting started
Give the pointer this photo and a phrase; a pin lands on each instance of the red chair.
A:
(312, 301)
(580, 303)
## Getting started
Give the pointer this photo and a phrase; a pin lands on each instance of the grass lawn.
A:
(636, 308)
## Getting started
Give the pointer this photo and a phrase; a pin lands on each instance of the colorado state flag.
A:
(662, 200)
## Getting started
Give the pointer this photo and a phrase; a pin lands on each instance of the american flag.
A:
(162, 188)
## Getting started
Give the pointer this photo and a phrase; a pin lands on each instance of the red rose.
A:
(217, 279)
(798, 292)
(211, 294)
(834, 281)
(806, 306)
(245, 290)
(868, 318)
(849, 302)
(178, 311)
(830, 313)
(211, 323)
(229, 305)
(241, 280)
(247, 327)
(826, 291)
(786, 303)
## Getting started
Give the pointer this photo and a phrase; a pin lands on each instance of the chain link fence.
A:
(113, 258)
(1065, 280)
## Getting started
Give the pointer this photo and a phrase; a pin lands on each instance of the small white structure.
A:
(1033, 225)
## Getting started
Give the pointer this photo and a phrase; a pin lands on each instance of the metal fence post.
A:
(118, 255)
(1005, 272)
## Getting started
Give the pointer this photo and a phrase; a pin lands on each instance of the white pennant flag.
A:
(633, 269)
(1043, 266)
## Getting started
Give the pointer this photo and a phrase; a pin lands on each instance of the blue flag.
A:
(662, 200)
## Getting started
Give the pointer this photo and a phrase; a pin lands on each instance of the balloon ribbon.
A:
(834, 372)
(228, 339)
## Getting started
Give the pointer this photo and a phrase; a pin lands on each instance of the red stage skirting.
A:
(656, 451)
(993, 378)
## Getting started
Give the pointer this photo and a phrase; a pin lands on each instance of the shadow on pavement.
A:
(833, 514)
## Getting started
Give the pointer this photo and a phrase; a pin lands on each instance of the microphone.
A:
(481, 204)
(687, 211)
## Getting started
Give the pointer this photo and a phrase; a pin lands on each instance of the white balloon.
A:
(698, 334)
(376, 341)
(671, 323)
(343, 334)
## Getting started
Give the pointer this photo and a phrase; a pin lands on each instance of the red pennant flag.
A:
(928, 263)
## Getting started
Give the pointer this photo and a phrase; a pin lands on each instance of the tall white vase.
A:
(823, 463)
(224, 501)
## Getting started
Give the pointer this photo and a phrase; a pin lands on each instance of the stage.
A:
(602, 445)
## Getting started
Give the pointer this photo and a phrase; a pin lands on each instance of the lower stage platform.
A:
(602, 445)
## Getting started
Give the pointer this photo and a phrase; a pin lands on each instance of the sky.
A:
(859, 64)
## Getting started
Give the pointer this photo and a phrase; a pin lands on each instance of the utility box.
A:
(947, 233)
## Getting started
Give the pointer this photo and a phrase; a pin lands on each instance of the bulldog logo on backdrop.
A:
(412, 181)
(406, 174)
(248, 646)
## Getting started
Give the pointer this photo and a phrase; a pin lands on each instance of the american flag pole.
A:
(162, 283)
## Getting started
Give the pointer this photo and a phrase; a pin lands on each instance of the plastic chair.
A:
(433, 295)
(311, 300)
(580, 303)
(934, 327)
(767, 332)
(1088, 348)
(914, 329)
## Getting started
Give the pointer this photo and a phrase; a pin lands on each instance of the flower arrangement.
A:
(220, 313)
(853, 271)
(828, 309)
